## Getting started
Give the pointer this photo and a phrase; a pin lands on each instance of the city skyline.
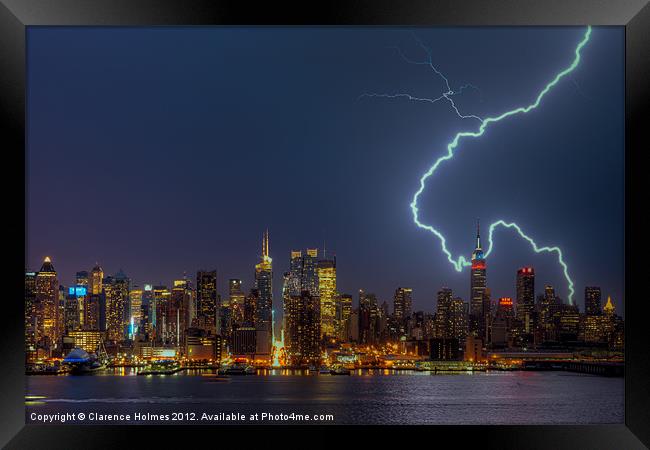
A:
(474, 296)
(142, 196)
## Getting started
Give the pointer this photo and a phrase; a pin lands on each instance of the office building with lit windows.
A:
(326, 272)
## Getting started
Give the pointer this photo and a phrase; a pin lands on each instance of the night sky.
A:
(161, 151)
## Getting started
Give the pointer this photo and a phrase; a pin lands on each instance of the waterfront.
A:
(365, 397)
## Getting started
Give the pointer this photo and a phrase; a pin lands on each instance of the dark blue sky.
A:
(164, 150)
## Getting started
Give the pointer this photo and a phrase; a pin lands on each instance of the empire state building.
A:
(478, 290)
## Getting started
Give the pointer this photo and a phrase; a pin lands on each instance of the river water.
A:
(365, 397)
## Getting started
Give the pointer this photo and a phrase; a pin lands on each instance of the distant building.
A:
(96, 280)
(30, 316)
(474, 349)
(526, 303)
(502, 323)
(368, 314)
(326, 272)
(302, 336)
(478, 287)
(444, 349)
(207, 299)
(264, 287)
(309, 274)
(86, 340)
(116, 291)
(344, 318)
(244, 341)
(569, 323)
(46, 306)
(236, 300)
(593, 301)
(402, 305)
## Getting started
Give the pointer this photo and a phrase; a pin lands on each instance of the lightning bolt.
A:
(460, 262)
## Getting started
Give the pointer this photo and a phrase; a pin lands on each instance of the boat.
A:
(81, 362)
(240, 369)
(340, 370)
(161, 367)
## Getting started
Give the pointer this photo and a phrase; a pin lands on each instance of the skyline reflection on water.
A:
(365, 397)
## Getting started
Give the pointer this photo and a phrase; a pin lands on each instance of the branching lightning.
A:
(460, 262)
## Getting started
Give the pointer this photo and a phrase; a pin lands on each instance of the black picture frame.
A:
(634, 15)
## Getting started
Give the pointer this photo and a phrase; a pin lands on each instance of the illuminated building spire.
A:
(265, 244)
(265, 263)
(609, 307)
(478, 233)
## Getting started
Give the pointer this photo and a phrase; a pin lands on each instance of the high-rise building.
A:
(549, 307)
(177, 314)
(159, 311)
(47, 305)
(593, 306)
(326, 271)
(458, 319)
(135, 315)
(96, 280)
(526, 299)
(368, 314)
(478, 286)
(236, 300)
(344, 318)
(443, 326)
(82, 278)
(76, 303)
(294, 276)
(264, 286)
(309, 275)
(147, 314)
(302, 335)
(30, 316)
(250, 307)
(569, 323)
(502, 323)
(116, 291)
(402, 301)
(206, 300)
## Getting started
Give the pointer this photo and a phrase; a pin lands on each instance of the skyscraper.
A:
(30, 315)
(159, 311)
(302, 336)
(443, 317)
(96, 280)
(178, 317)
(206, 300)
(368, 314)
(526, 298)
(402, 301)
(116, 291)
(309, 275)
(135, 300)
(344, 318)
(236, 299)
(264, 287)
(326, 271)
(294, 276)
(478, 286)
(593, 306)
(46, 305)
